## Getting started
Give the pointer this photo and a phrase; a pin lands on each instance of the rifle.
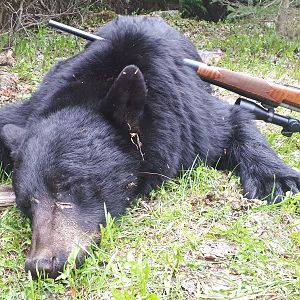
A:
(75, 31)
(269, 94)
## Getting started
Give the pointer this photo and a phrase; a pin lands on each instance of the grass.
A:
(36, 55)
(194, 238)
(248, 45)
(287, 148)
(5, 177)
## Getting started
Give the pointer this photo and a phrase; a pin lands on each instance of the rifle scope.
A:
(289, 124)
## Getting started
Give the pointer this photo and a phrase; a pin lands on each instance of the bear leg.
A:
(262, 173)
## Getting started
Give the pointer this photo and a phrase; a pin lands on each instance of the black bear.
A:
(114, 121)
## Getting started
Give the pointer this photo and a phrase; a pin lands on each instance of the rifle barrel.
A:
(75, 31)
(248, 86)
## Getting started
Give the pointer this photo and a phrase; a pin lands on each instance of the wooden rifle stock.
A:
(255, 88)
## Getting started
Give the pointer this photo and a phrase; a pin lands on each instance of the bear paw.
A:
(272, 188)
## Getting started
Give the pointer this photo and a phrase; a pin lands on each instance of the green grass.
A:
(194, 238)
(248, 46)
(40, 50)
(5, 177)
(287, 148)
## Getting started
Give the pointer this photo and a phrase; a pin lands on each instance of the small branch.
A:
(7, 197)
(20, 15)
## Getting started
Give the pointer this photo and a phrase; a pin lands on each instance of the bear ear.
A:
(124, 102)
(12, 136)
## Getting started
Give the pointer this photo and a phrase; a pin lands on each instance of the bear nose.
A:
(44, 266)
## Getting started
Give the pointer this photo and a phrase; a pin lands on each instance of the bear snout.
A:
(45, 266)
(56, 236)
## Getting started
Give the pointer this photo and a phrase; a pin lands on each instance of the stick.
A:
(7, 197)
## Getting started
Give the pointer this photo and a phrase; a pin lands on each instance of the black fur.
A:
(84, 124)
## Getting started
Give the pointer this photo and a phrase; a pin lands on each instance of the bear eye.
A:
(55, 187)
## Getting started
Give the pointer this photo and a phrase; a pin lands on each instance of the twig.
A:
(7, 197)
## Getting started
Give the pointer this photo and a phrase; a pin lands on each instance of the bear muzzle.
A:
(45, 265)
(56, 236)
